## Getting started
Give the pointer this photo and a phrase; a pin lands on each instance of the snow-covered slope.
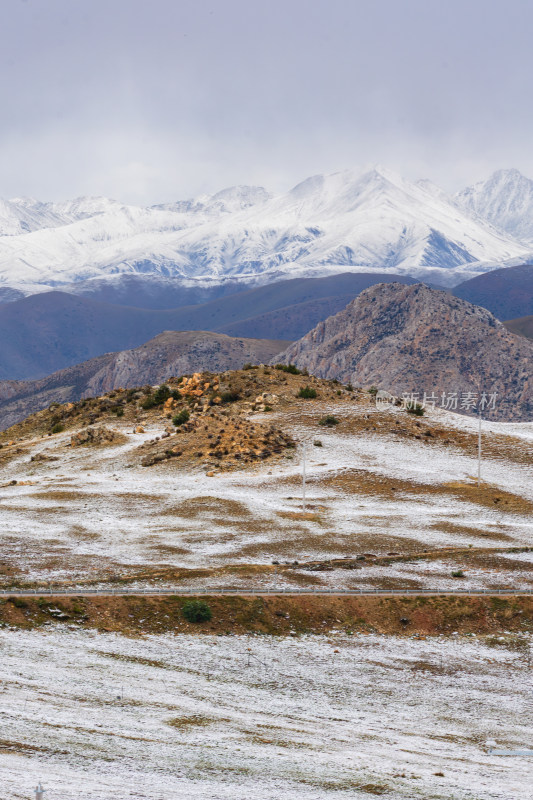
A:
(370, 220)
(505, 200)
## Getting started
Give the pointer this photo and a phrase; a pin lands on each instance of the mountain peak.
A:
(505, 199)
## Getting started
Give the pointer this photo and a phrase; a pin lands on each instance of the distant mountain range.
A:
(420, 340)
(350, 221)
(507, 292)
(169, 354)
(47, 332)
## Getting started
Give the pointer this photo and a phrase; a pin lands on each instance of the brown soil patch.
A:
(368, 483)
(280, 614)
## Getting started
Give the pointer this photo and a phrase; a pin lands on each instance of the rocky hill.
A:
(170, 353)
(414, 339)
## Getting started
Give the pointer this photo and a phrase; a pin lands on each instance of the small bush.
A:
(181, 418)
(149, 402)
(307, 392)
(119, 411)
(196, 611)
(317, 443)
(349, 387)
(291, 368)
(159, 397)
(161, 394)
(458, 573)
(18, 602)
(230, 397)
(416, 409)
(249, 365)
(58, 428)
(329, 421)
(373, 390)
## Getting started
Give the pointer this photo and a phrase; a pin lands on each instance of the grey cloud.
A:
(154, 101)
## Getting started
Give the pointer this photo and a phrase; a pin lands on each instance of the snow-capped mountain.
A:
(505, 200)
(347, 221)
(24, 214)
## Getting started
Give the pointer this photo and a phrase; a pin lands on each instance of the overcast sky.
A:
(154, 100)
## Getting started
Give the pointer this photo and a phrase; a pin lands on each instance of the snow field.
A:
(250, 717)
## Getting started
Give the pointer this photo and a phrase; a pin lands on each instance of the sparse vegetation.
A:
(416, 409)
(160, 396)
(230, 396)
(373, 390)
(307, 392)
(57, 428)
(196, 611)
(292, 369)
(182, 417)
(458, 573)
(329, 421)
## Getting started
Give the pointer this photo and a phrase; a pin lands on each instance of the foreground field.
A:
(103, 716)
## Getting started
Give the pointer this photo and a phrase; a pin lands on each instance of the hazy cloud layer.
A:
(160, 100)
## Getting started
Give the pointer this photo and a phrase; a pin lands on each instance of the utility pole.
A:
(303, 477)
(479, 449)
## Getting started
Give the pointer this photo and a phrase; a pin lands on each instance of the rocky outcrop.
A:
(415, 339)
(96, 436)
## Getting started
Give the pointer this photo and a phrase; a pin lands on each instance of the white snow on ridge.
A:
(505, 200)
(326, 224)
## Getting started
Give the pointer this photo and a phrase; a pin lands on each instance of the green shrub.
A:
(18, 602)
(329, 421)
(307, 392)
(58, 428)
(349, 387)
(181, 417)
(230, 396)
(291, 368)
(249, 365)
(458, 573)
(148, 402)
(416, 409)
(119, 411)
(196, 611)
(160, 396)
(317, 443)
(373, 390)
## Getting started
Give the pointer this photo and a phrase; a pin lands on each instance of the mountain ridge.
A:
(50, 331)
(361, 220)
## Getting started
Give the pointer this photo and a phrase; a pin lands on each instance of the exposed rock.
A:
(95, 436)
